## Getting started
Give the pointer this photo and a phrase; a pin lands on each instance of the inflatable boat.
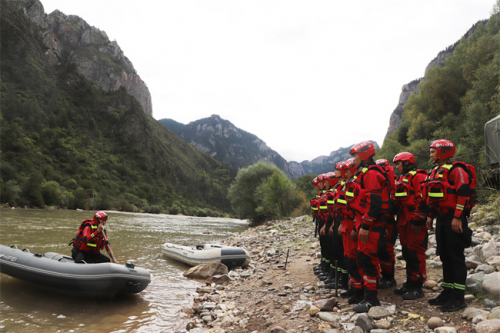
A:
(60, 274)
(202, 254)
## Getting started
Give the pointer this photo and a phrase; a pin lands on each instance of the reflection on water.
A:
(134, 238)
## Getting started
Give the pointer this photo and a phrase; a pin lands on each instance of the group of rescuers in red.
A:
(362, 207)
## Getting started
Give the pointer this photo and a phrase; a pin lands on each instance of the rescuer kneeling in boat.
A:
(90, 240)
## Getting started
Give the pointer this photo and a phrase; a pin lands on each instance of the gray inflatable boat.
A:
(59, 273)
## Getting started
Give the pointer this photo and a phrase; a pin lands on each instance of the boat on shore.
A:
(207, 253)
(60, 274)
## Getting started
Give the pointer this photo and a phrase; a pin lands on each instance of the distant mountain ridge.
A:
(235, 147)
(226, 143)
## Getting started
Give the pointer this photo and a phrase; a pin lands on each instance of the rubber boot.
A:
(357, 297)
(344, 281)
(415, 292)
(455, 302)
(404, 289)
(348, 293)
(387, 281)
(370, 300)
(442, 298)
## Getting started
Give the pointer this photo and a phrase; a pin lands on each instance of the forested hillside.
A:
(454, 101)
(67, 143)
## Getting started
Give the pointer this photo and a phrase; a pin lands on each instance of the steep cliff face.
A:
(412, 87)
(95, 56)
(225, 142)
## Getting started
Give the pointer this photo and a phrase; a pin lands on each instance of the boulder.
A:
(326, 304)
(491, 284)
(435, 322)
(486, 269)
(490, 250)
(204, 271)
(488, 326)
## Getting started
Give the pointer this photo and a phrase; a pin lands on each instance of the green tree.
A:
(32, 190)
(51, 193)
(242, 191)
(278, 197)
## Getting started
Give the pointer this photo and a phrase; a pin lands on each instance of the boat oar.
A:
(109, 246)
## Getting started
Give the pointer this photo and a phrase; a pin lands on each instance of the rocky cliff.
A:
(225, 142)
(412, 87)
(235, 147)
(100, 60)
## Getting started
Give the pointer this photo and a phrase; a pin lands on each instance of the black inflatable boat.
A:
(59, 273)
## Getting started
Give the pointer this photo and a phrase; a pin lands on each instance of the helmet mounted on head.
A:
(364, 150)
(100, 215)
(404, 157)
(445, 148)
(315, 181)
(349, 164)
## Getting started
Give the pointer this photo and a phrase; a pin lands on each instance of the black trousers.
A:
(450, 247)
(88, 257)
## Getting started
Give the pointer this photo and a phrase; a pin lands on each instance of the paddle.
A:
(109, 246)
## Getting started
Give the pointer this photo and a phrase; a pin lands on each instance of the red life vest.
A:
(405, 194)
(342, 204)
(314, 206)
(94, 245)
(442, 193)
(355, 191)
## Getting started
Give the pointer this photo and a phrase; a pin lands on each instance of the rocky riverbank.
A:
(278, 291)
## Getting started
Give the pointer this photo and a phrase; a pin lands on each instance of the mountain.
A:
(413, 87)
(235, 147)
(68, 141)
(227, 143)
(96, 57)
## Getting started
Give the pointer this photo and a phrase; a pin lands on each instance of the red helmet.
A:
(315, 181)
(383, 163)
(445, 149)
(100, 215)
(349, 164)
(364, 149)
(332, 179)
(321, 177)
(404, 157)
(339, 165)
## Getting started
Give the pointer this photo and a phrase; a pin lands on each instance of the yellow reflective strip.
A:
(436, 195)
(413, 172)
(342, 201)
(401, 194)
(93, 226)
(91, 245)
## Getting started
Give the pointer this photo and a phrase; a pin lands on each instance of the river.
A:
(134, 238)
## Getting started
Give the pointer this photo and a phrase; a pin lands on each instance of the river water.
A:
(134, 238)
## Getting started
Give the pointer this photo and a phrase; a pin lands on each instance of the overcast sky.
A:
(307, 77)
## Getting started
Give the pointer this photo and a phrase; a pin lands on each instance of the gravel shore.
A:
(278, 291)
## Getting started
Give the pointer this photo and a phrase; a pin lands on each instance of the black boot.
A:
(404, 289)
(442, 298)
(348, 293)
(356, 297)
(344, 281)
(387, 281)
(455, 302)
(415, 292)
(320, 268)
(370, 300)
